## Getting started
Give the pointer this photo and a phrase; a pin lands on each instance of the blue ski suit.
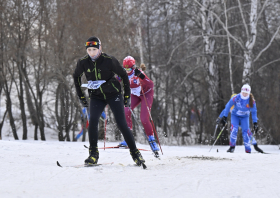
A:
(240, 115)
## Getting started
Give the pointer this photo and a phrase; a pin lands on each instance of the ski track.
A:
(28, 169)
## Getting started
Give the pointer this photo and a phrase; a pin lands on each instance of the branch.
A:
(219, 20)
(268, 45)
(243, 19)
(261, 10)
(264, 66)
(177, 48)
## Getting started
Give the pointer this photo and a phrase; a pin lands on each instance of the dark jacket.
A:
(104, 68)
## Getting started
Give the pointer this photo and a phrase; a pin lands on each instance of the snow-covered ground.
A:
(28, 169)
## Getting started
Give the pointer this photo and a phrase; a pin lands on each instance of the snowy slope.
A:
(28, 169)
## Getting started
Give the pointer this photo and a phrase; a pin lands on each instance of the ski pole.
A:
(218, 136)
(140, 127)
(154, 128)
(105, 125)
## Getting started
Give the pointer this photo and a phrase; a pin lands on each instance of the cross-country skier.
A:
(97, 65)
(244, 104)
(138, 78)
(254, 142)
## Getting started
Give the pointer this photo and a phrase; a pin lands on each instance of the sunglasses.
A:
(91, 43)
(128, 69)
(245, 89)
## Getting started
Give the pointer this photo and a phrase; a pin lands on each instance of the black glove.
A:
(126, 101)
(218, 121)
(256, 127)
(223, 121)
(139, 74)
(83, 101)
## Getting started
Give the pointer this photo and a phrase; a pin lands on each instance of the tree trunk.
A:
(229, 52)
(208, 27)
(58, 112)
(2, 123)
(248, 53)
(9, 109)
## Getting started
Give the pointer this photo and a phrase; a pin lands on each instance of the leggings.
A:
(117, 106)
(144, 114)
(246, 132)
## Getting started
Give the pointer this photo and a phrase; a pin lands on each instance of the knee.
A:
(234, 128)
(145, 119)
(246, 132)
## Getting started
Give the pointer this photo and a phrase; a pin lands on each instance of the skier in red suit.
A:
(138, 78)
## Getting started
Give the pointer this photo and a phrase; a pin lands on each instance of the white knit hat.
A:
(246, 89)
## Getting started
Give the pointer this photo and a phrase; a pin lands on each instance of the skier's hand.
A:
(256, 127)
(224, 121)
(126, 101)
(218, 121)
(139, 74)
(83, 101)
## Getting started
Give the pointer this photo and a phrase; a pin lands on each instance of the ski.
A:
(83, 165)
(156, 154)
(121, 147)
(265, 153)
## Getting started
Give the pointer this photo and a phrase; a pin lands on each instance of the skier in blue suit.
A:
(244, 104)
(254, 142)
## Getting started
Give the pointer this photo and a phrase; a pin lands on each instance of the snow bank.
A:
(28, 169)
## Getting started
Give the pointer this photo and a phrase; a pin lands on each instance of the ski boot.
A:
(257, 148)
(154, 146)
(231, 149)
(123, 144)
(93, 156)
(137, 157)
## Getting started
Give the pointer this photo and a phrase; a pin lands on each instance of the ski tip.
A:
(157, 156)
(85, 146)
(58, 164)
(144, 166)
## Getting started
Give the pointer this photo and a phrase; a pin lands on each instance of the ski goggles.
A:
(245, 89)
(128, 69)
(91, 43)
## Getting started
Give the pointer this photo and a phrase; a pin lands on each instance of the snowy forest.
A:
(197, 52)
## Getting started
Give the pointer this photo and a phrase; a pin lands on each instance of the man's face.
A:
(92, 51)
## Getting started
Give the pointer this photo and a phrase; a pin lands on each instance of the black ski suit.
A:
(104, 68)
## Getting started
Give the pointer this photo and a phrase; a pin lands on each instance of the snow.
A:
(28, 169)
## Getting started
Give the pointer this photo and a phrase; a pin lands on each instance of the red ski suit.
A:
(137, 98)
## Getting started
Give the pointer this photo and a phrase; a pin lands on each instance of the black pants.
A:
(117, 106)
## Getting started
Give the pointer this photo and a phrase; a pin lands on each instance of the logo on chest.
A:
(134, 81)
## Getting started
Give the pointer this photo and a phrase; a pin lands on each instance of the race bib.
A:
(94, 84)
(243, 112)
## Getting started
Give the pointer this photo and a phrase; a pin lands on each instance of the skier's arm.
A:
(222, 114)
(120, 71)
(146, 81)
(77, 79)
(254, 113)
(228, 106)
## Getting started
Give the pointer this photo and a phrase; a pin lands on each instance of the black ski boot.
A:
(258, 149)
(231, 149)
(137, 157)
(93, 156)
